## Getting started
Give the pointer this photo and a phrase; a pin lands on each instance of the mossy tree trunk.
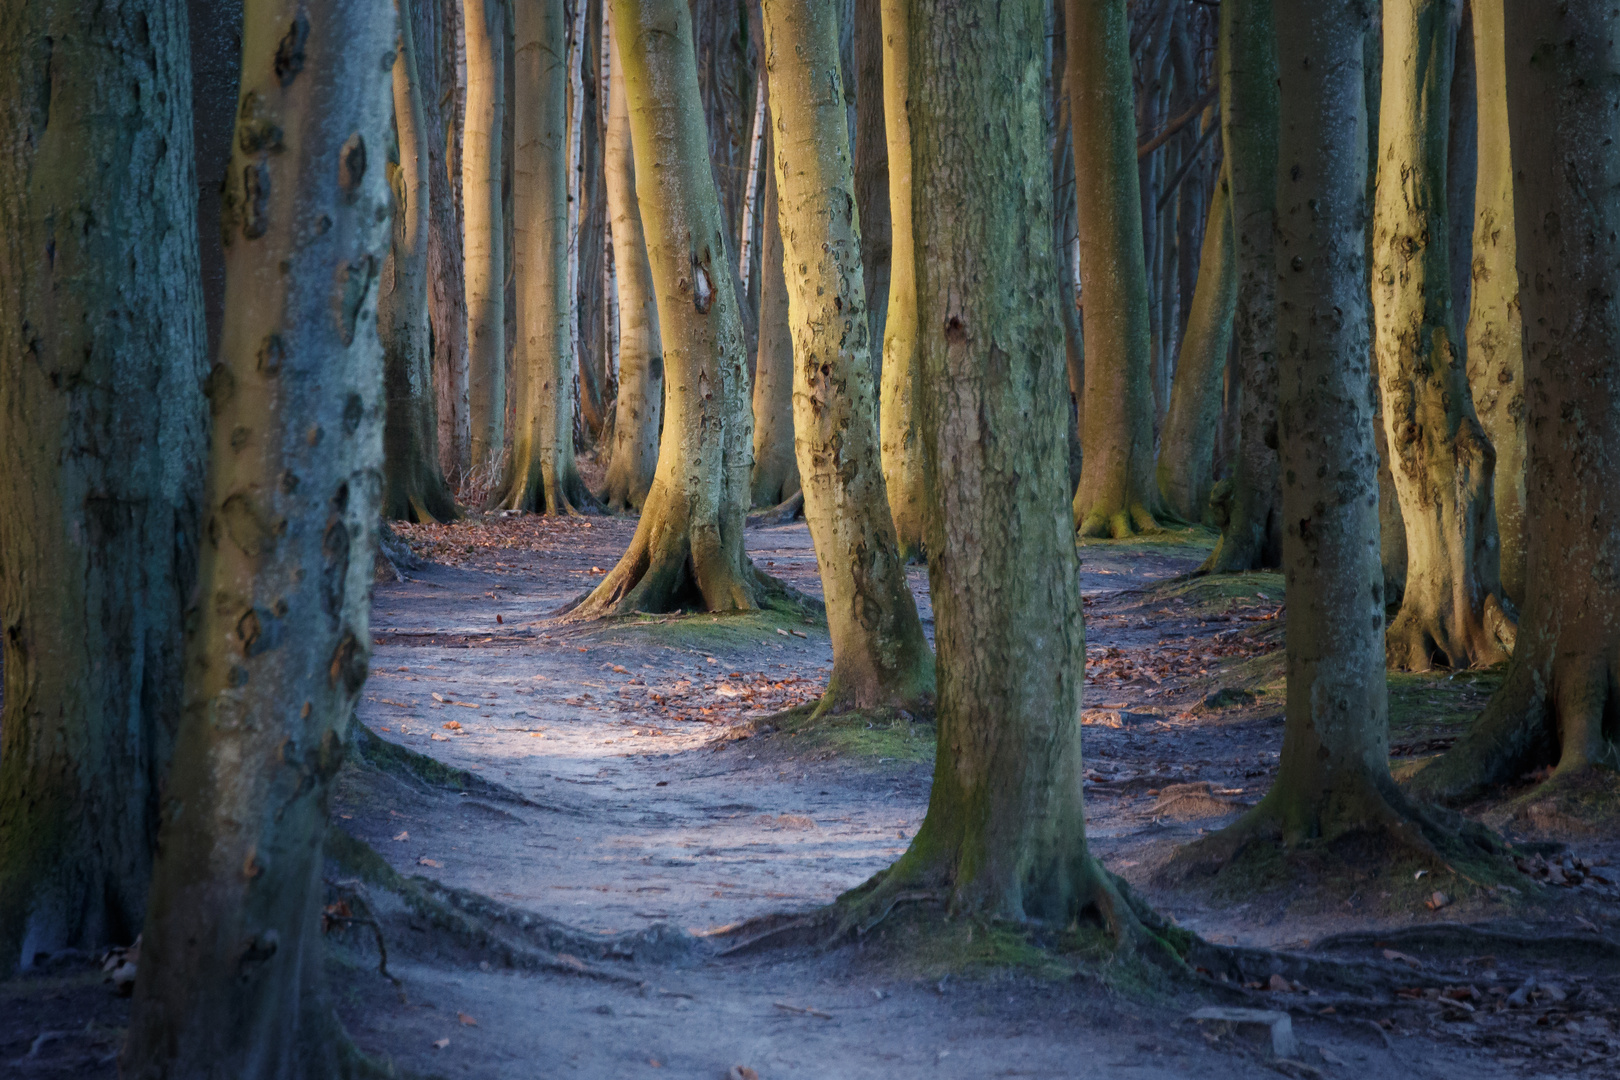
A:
(688, 548)
(1495, 338)
(1438, 454)
(641, 359)
(414, 488)
(1252, 536)
(542, 476)
(880, 656)
(901, 397)
(101, 389)
(775, 475)
(1117, 496)
(484, 239)
(1187, 451)
(1557, 703)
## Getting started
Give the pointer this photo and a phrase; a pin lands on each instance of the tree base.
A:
(541, 491)
(1581, 802)
(1419, 640)
(1117, 523)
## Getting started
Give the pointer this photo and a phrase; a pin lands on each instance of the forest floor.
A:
(628, 800)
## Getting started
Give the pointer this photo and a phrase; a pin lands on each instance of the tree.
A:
(277, 644)
(872, 169)
(688, 546)
(484, 245)
(641, 361)
(1187, 452)
(1557, 700)
(1252, 537)
(414, 488)
(880, 656)
(1439, 456)
(101, 383)
(542, 475)
(775, 475)
(1117, 495)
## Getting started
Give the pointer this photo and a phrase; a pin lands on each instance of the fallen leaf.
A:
(440, 1044)
(802, 1010)
(1437, 901)
(425, 861)
(453, 725)
(466, 1020)
(655, 1063)
(1411, 961)
(742, 1072)
(498, 619)
(1280, 983)
(465, 704)
(572, 961)
(403, 835)
(440, 738)
(438, 696)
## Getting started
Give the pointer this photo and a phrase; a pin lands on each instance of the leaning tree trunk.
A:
(880, 656)
(1558, 700)
(901, 442)
(542, 475)
(414, 488)
(641, 359)
(775, 475)
(101, 386)
(872, 171)
(1495, 346)
(1252, 536)
(1117, 495)
(277, 645)
(1439, 456)
(1187, 453)
(1005, 832)
(688, 548)
(484, 241)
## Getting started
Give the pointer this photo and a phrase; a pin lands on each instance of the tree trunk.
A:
(277, 645)
(1252, 537)
(880, 656)
(1495, 345)
(1187, 456)
(1462, 165)
(872, 173)
(901, 397)
(775, 475)
(1117, 495)
(413, 486)
(101, 368)
(484, 241)
(447, 268)
(1557, 702)
(542, 476)
(1439, 456)
(688, 547)
(216, 65)
(641, 359)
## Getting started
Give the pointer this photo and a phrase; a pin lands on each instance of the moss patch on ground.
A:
(1428, 710)
(869, 734)
(703, 632)
(1192, 540)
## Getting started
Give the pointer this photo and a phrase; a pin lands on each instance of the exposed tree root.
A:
(1244, 546)
(788, 510)
(1118, 522)
(536, 487)
(371, 750)
(1419, 639)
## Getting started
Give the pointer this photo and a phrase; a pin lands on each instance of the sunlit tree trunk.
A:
(880, 656)
(101, 368)
(775, 475)
(484, 240)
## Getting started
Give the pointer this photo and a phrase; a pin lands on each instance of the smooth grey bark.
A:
(775, 475)
(484, 241)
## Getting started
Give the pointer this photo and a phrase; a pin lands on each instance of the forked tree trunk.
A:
(641, 358)
(1495, 345)
(484, 241)
(1187, 453)
(542, 476)
(277, 644)
(1252, 536)
(688, 548)
(101, 368)
(1117, 495)
(1439, 456)
(1557, 702)
(413, 486)
(775, 475)
(880, 656)
(901, 397)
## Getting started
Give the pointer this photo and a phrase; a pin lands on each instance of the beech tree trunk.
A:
(641, 358)
(872, 172)
(880, 656)
(1438, 454)
(447, 268)
(277, 644)
(1557, 702)
(484, 242)
(414, 488)
(1252, 537)
(101, 368)
(1187, 452)
(775, 475)
(216, 64)
(1117, 495)
(542, 476)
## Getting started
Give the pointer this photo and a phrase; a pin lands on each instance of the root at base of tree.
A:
(1117, 523)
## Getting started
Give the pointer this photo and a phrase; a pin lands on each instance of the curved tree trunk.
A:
(880, 656)
(542, 476)
(688, 548)
(641, 359)
(1557, 702)
(900, 441)
(1117, 495)
(1252, 537)
(775, 475)
(1439, 456)
(101, 367)
(413, 487)
(1495, 345)
(1187, 453)
(484, 240)
(277, 652)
